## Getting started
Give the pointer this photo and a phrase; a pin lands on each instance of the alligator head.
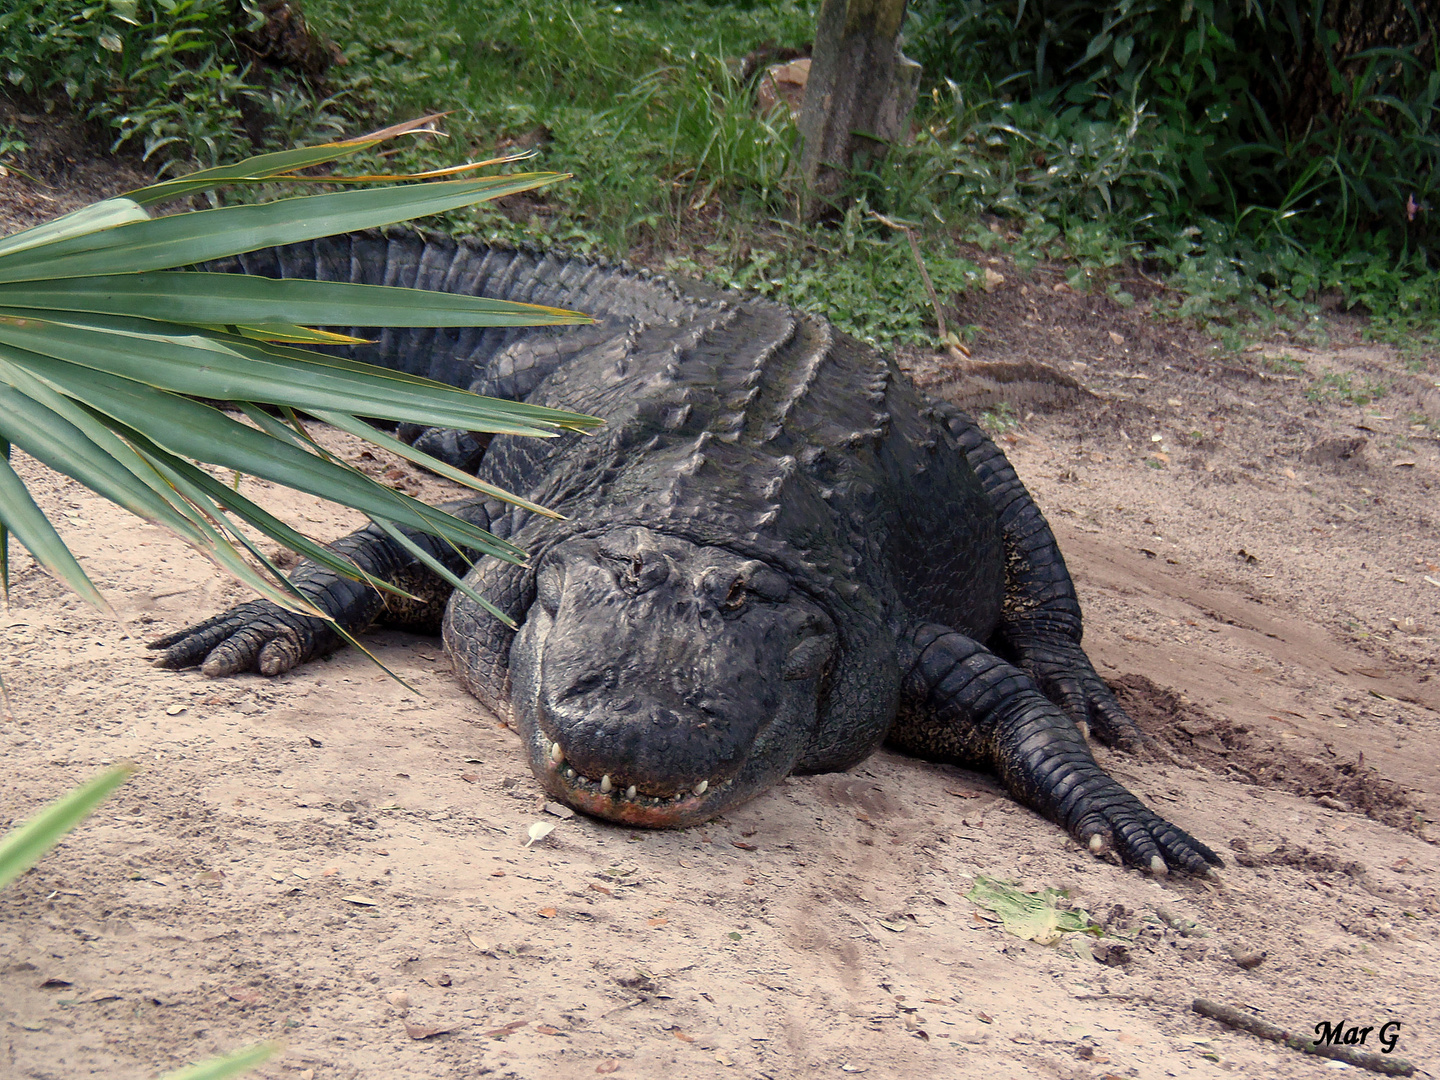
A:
(660, 682)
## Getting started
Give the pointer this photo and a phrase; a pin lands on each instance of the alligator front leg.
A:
(262, 636)
(964, 704)
(1040, 627)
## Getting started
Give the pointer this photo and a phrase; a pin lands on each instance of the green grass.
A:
(1343, 388)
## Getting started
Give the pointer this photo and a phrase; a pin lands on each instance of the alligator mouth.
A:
(602, 798)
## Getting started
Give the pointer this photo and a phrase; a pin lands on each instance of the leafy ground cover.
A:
(653, 107)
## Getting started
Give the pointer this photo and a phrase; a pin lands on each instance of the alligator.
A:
(775, 556)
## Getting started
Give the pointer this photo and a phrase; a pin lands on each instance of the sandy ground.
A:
(338, 861)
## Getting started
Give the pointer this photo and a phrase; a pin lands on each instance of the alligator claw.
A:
(1119, 821)
(256, 636)
(1064, 674)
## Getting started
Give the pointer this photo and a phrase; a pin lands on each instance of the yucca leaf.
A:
(269, 166)
(99, 344)
(69, 439)
(236, 369)
(50, 438)
(286, 334)
(198, 431)
(102, 215)
(221, 299)
(222, 1068)
(20, 515)
(22, 847)
(364, 431)
(391, 530)
(189, 239)
(5, 540)
(194, 482)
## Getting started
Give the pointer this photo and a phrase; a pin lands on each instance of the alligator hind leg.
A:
(962, 703)
(1040, 628)
(262, 636)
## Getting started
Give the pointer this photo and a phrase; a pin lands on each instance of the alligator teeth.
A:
(630, 792)
(556, 754)
(605, 784)
(679, 795)
(701, 787)
(569, 774)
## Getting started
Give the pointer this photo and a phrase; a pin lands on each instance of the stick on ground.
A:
(1364, 1059)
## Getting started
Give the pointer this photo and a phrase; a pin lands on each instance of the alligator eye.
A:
(735, 598)
(637, 572)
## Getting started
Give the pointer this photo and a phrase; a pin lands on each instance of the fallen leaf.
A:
(243, 994)
(539, 831)
(546, 1029)
(993, 279)
(497, 873)
(329, 873)
(381, 851)
(684, 1038)
(362, 901)
(985, 1018)
(417, 1032)
(658, 922)
(1118, 339)
(743, 846)
(1029, 916)
(959, 794)
(546, 913)
(893, 927)
(606, 1067)
(470, 778)
(174, 710)
(602, 889)
(560, 810)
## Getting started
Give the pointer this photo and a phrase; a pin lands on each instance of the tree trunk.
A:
(1310, 94)
(860, 92)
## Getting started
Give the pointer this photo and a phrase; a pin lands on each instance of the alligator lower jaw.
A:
(626, 805)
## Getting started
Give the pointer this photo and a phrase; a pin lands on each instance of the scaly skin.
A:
(776, 555)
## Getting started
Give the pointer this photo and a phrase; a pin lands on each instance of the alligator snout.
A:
(659, 682)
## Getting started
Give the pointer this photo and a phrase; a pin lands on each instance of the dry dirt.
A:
(334, 860)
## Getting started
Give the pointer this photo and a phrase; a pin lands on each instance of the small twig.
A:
(920, 264)
(1364, 1059)
(1158, 284)
(628, 1005)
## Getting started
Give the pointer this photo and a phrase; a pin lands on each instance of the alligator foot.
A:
(965, 704)
(256, 636)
